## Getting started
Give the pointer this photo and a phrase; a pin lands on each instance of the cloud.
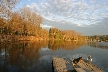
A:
(28, 6)
(100, 28)
(70, 10)
(45, 26)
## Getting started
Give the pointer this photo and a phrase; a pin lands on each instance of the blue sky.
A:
(79, 15)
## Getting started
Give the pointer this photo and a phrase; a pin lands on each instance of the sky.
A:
(89, 17)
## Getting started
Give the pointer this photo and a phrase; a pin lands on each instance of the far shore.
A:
(13, 38)
(16, 38)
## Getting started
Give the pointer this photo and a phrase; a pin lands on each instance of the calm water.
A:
(37, 56)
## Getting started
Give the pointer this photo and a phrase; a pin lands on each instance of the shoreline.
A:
(15, 38)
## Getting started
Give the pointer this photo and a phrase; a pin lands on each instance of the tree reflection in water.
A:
(67, 45)
(21, 55)
(26, 56)
(103, 45)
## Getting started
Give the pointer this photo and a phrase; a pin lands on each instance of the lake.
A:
(37, 56)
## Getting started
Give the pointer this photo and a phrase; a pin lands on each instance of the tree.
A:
(16, 24)
(6, 7)
(31, 21)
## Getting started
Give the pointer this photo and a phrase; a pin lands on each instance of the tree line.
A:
(24, 21)
(98, 38)
(67, 35)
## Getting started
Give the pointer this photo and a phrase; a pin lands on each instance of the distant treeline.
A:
(68, 35)
(98, 38)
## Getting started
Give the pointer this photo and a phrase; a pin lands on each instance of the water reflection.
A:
(103, 45)
(20, 55)
(67, 45)
(37, 56)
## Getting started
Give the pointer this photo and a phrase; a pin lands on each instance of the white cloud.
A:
(85, 10)
(28, 6)
(45, 26)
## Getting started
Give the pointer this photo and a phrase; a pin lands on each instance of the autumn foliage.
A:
(22, 22)
(25, 22)
(67, 35)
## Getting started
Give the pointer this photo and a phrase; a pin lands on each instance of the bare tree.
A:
(6, 7)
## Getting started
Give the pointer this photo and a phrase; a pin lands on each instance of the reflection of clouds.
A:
(47, 58)
(43, 65)
(2, 53)
(84, 56)
(45, 49)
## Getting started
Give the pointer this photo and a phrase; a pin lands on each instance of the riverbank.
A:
(14, 38)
